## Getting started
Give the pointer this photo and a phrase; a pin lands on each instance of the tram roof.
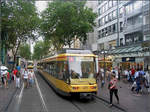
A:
(75, 51)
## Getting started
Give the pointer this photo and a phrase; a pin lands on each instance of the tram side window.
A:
(54, 70)
(60, 70)
(50, 69)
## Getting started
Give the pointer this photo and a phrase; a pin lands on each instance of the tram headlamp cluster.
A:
(75, 87)
(93, 87)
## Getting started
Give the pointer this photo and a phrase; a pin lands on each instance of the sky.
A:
(41, 5)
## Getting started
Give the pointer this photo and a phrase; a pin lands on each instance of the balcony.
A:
(132, 28)
(134, 13)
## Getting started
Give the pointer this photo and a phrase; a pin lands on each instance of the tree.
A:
(24, 51)
(20, 21)
(41, 49)
(64, 21)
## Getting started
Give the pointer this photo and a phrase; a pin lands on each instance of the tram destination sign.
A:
(128, 59)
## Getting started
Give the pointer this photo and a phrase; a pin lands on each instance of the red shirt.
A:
(15, 72)
(132, 72)
(8, 76)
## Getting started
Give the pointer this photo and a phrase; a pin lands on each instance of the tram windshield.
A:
(82, 67)
(30, 63)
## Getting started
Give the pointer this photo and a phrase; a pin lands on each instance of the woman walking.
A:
(113, 88)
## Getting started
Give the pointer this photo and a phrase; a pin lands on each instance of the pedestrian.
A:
(4, 78)
(31, 77)
(113, 88)
(102, 78)
(18, 79)
(25, 78)
(14, 73)
(138, 81)
(147, 77)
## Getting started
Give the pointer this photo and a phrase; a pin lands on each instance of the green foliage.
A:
(41, 49)
(24, 51)
(19, 21)
(64, 21)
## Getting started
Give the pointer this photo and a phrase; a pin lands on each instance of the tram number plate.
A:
(85, 87)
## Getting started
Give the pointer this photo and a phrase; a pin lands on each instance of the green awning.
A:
(126, 50)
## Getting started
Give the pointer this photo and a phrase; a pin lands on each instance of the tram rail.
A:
(107, 104)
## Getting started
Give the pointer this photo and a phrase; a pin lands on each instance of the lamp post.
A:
(104, 53)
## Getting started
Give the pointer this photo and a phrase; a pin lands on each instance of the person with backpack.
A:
(18, 80)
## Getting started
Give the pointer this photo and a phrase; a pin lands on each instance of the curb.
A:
(118, 107)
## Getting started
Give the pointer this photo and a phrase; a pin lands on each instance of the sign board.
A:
(128, 59)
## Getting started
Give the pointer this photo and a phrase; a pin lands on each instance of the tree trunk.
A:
(15, 53)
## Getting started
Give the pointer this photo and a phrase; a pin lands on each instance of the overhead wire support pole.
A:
(117, 23)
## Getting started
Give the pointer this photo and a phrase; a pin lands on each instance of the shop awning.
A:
(126, 50)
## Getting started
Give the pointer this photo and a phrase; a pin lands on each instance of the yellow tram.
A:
(30, 65)
(71, 72)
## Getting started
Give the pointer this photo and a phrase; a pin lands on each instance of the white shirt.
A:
(136, 74)
(147, 76)
(25, 76)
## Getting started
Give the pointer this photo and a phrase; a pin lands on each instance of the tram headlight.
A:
(93, 87)
(75, 88)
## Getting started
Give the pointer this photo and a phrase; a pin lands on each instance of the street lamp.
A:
(104, 53)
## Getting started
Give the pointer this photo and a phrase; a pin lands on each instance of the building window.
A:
(137, 5)
(121, 11)
(110, 16)
(106, 18)
(106, 31)
(99, 11)
(103, 33)
(109, 30)
(100, 1)
(103, 21)
(114, 28)
(110, 3)
(114, 2)
(99, 34)
(101, 46)
(114, 14)
(121, 26)
(121, 42)
(99, 22)
(129, 8)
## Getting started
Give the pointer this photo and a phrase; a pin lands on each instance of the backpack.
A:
(18, 74)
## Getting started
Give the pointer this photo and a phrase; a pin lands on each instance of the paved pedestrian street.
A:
(41, 98)
(128, 100)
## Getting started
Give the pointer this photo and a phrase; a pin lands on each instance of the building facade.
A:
(124, 32)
